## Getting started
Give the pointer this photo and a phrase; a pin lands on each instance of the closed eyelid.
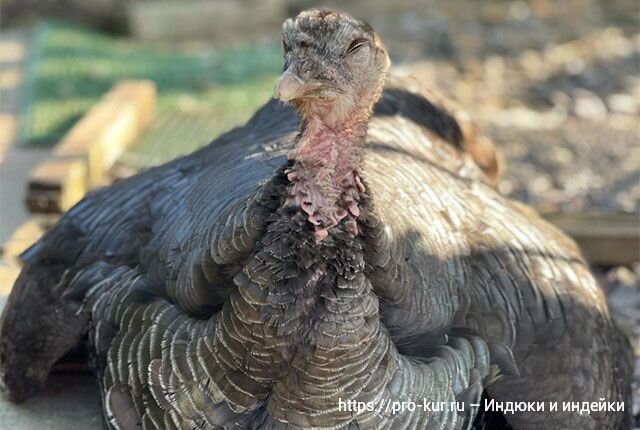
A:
(305, 42)
(357, 44)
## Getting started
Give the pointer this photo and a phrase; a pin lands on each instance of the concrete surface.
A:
(68, 402)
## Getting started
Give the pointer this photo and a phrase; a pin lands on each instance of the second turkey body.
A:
(213, 299)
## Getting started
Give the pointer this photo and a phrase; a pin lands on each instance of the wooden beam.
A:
(82, 158)
(56, 185)
(22, 238)
(9, 271)
(605, 239)
(104, 133)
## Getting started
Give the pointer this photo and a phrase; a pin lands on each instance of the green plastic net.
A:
(202, 91)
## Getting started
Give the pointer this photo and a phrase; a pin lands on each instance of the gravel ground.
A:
(575, 132)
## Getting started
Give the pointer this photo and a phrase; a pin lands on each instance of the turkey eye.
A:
(304, 44)
(356, 45)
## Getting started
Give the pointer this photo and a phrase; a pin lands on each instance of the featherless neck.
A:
(325, 176)
(322, 139)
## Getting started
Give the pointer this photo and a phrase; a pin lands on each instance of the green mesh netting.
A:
(201, 91)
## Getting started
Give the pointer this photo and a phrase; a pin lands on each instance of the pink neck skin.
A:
(325, 178)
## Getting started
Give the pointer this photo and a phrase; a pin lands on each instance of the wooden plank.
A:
(22, 238)
(8, 125)
(82, 158)
(56, 185)
(9, 271)
(103, 134)
(605, 239)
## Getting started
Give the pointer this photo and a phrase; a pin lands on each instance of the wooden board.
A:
(605, 239)
(103, 134)
(9, 271)
(56, 185)
(22, 238)
(82, 158)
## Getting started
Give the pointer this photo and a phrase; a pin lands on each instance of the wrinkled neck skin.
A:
(325, 177)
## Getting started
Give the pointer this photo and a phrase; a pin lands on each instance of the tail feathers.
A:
(486, 156)
(410, 98)
(37, 328)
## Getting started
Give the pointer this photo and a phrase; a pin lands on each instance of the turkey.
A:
(341, 261)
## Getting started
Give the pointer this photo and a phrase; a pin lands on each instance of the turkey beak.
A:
(289, 86)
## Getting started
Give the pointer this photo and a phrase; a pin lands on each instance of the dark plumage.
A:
(234, 288)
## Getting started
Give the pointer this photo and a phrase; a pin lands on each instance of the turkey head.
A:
(334, 70)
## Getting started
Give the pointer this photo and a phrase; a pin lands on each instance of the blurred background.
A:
(554, 83)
